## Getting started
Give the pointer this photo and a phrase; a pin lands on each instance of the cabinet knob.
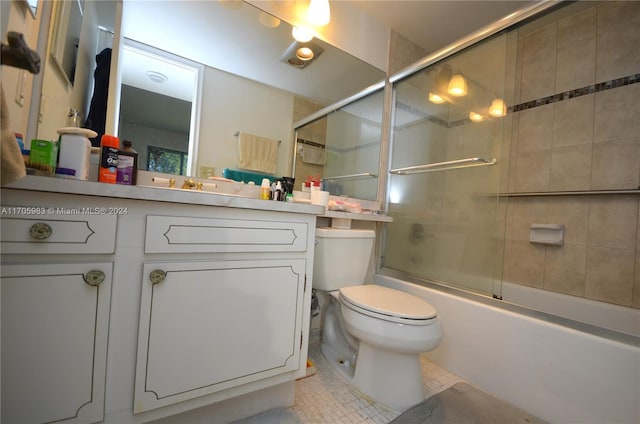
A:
(94, 277)
(40, 231)
(157, 276)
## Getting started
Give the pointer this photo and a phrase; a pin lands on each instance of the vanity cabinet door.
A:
(213, 325)
(54, 341)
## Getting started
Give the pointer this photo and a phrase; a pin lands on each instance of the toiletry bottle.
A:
(265, 189)
(108, 159)
(277, 195)
(75, 150)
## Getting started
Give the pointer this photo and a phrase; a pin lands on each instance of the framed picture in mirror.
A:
(66, 37)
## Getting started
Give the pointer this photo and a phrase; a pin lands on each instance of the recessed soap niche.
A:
(550, 234)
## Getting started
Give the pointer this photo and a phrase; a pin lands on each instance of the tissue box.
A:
(43, 155)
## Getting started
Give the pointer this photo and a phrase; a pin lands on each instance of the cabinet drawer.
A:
(51, 233)
(170, 234)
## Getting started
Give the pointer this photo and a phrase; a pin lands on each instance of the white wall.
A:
(556, 373)
(234, 103)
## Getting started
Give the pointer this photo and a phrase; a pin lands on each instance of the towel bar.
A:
(236, 133)
(351, 176)
(442, 166)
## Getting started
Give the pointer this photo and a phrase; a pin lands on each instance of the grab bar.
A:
(442, 166)
(351, 176)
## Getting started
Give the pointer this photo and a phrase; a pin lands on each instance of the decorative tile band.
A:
(583, 91)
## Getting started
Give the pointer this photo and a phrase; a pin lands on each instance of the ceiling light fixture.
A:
(497, 108)
(300, 55)
(156, 77)
(475, 117)
(319, 12)
(304, 53)
(301, 34)
(457, 86)
(436, 98)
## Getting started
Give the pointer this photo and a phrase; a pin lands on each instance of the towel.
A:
(10, 155)
(257, 153)
(312, 155)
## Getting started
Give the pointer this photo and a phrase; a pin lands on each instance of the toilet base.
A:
(340, 363)
(391, 378)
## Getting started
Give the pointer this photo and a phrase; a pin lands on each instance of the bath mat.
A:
(462, 403)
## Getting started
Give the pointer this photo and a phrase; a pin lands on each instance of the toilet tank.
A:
(341, 257)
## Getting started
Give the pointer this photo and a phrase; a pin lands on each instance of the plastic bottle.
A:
(277, 195)
(265, 189)
(108, 171)
(75, 150)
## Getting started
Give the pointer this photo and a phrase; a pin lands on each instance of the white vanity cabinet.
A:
(205, 300)
(224, 321)
(54, 315)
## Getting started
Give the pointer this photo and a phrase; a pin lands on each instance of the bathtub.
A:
(557, 372)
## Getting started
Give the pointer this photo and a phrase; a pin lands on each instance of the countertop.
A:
(158, 194)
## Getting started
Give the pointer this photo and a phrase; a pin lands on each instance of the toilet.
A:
(372, 335)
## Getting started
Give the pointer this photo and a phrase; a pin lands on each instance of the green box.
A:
(44, 155)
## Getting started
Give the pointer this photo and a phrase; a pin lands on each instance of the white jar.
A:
(75, 150)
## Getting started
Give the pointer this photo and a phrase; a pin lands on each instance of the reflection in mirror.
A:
(66, 37)
(344, 148)
(248, 84)
(61, 104)
(160, 138)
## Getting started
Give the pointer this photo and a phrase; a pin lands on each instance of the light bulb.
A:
(301, 34)
(304, 53)
(319, 12)
(497, 108)
(457, 86)
(435, 98)
(475, 117)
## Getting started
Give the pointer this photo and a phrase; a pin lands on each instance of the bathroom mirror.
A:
(251, 49)
(249, 82)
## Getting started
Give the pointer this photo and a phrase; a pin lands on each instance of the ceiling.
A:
(434, 24)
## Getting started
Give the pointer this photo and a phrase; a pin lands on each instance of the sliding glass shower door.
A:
(447, 146)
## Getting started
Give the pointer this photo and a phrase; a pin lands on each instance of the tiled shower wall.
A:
(576, 127)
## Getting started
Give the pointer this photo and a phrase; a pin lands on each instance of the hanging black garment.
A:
(96, 120)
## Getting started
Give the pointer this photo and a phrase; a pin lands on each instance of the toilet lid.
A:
(389, 302)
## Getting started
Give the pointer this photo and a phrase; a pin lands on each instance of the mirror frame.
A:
(196, 101)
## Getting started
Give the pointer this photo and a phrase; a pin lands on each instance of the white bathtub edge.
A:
(554, 372)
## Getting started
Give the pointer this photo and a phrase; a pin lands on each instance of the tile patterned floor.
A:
(326, 398)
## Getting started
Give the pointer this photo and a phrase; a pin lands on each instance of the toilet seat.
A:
(388, 304)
